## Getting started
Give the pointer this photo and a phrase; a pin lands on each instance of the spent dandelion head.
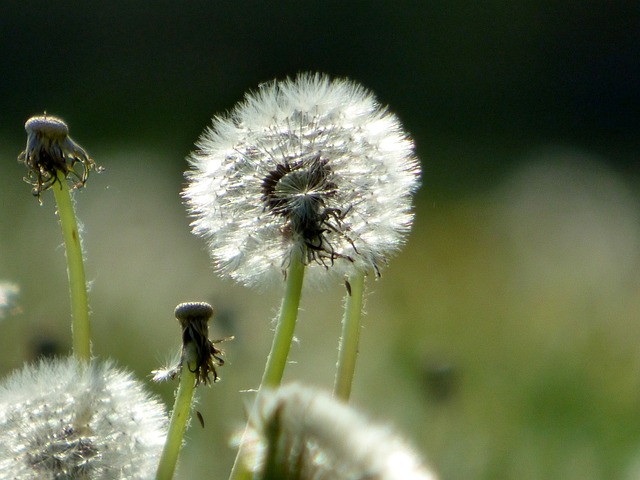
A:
(309, 164)
(51, 154)
(69, 419)
(199, 354)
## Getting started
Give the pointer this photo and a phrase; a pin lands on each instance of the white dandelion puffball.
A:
(312, 164)
(67, 419)
(310, 434)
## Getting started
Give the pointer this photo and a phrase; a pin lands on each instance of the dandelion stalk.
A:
(53, 159)
(80, 326)
(285, 327)
(282, 338)
(240, 471)
(179, 416)
(350, 339)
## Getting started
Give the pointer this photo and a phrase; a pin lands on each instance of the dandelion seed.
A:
(66, 419)
(301, 432)
(51, 153)
(311, 164)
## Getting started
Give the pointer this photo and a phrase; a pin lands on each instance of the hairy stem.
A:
(285, 327)
(179, 417)
(350, 339)
(80, 327)
(283, 336)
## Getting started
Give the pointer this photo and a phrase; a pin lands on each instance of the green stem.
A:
(285, 327)
(282, 338)
(349, 341)
(179, 417)
(80, 328)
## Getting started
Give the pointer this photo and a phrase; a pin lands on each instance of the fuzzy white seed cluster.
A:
(302, 432)
(307, 163)
(66, 419)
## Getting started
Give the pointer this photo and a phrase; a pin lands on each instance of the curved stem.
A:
(350, 339)
(282, 338)
(80, 327)
(179, 417)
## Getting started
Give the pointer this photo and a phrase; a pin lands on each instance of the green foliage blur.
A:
(503, 341)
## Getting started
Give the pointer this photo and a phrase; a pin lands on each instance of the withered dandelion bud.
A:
(51, 154)
(194, 319)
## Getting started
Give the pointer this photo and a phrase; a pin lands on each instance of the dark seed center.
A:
(298, 188)
(300, 192)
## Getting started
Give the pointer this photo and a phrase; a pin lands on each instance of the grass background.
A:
(502, 341)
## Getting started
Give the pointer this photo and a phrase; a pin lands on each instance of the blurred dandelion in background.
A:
(8, 299)
(302, 432)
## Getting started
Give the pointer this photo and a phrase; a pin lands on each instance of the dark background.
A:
(475, 83)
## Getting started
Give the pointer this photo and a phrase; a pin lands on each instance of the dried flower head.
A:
(51, 154)
(303, 433)
(194, 319)
(309, 163)
(65, 419)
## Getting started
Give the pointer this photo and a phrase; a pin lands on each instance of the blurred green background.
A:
(503, 341)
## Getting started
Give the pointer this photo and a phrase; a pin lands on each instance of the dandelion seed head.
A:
(307, 163)
(66, 419)
(309, 434)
